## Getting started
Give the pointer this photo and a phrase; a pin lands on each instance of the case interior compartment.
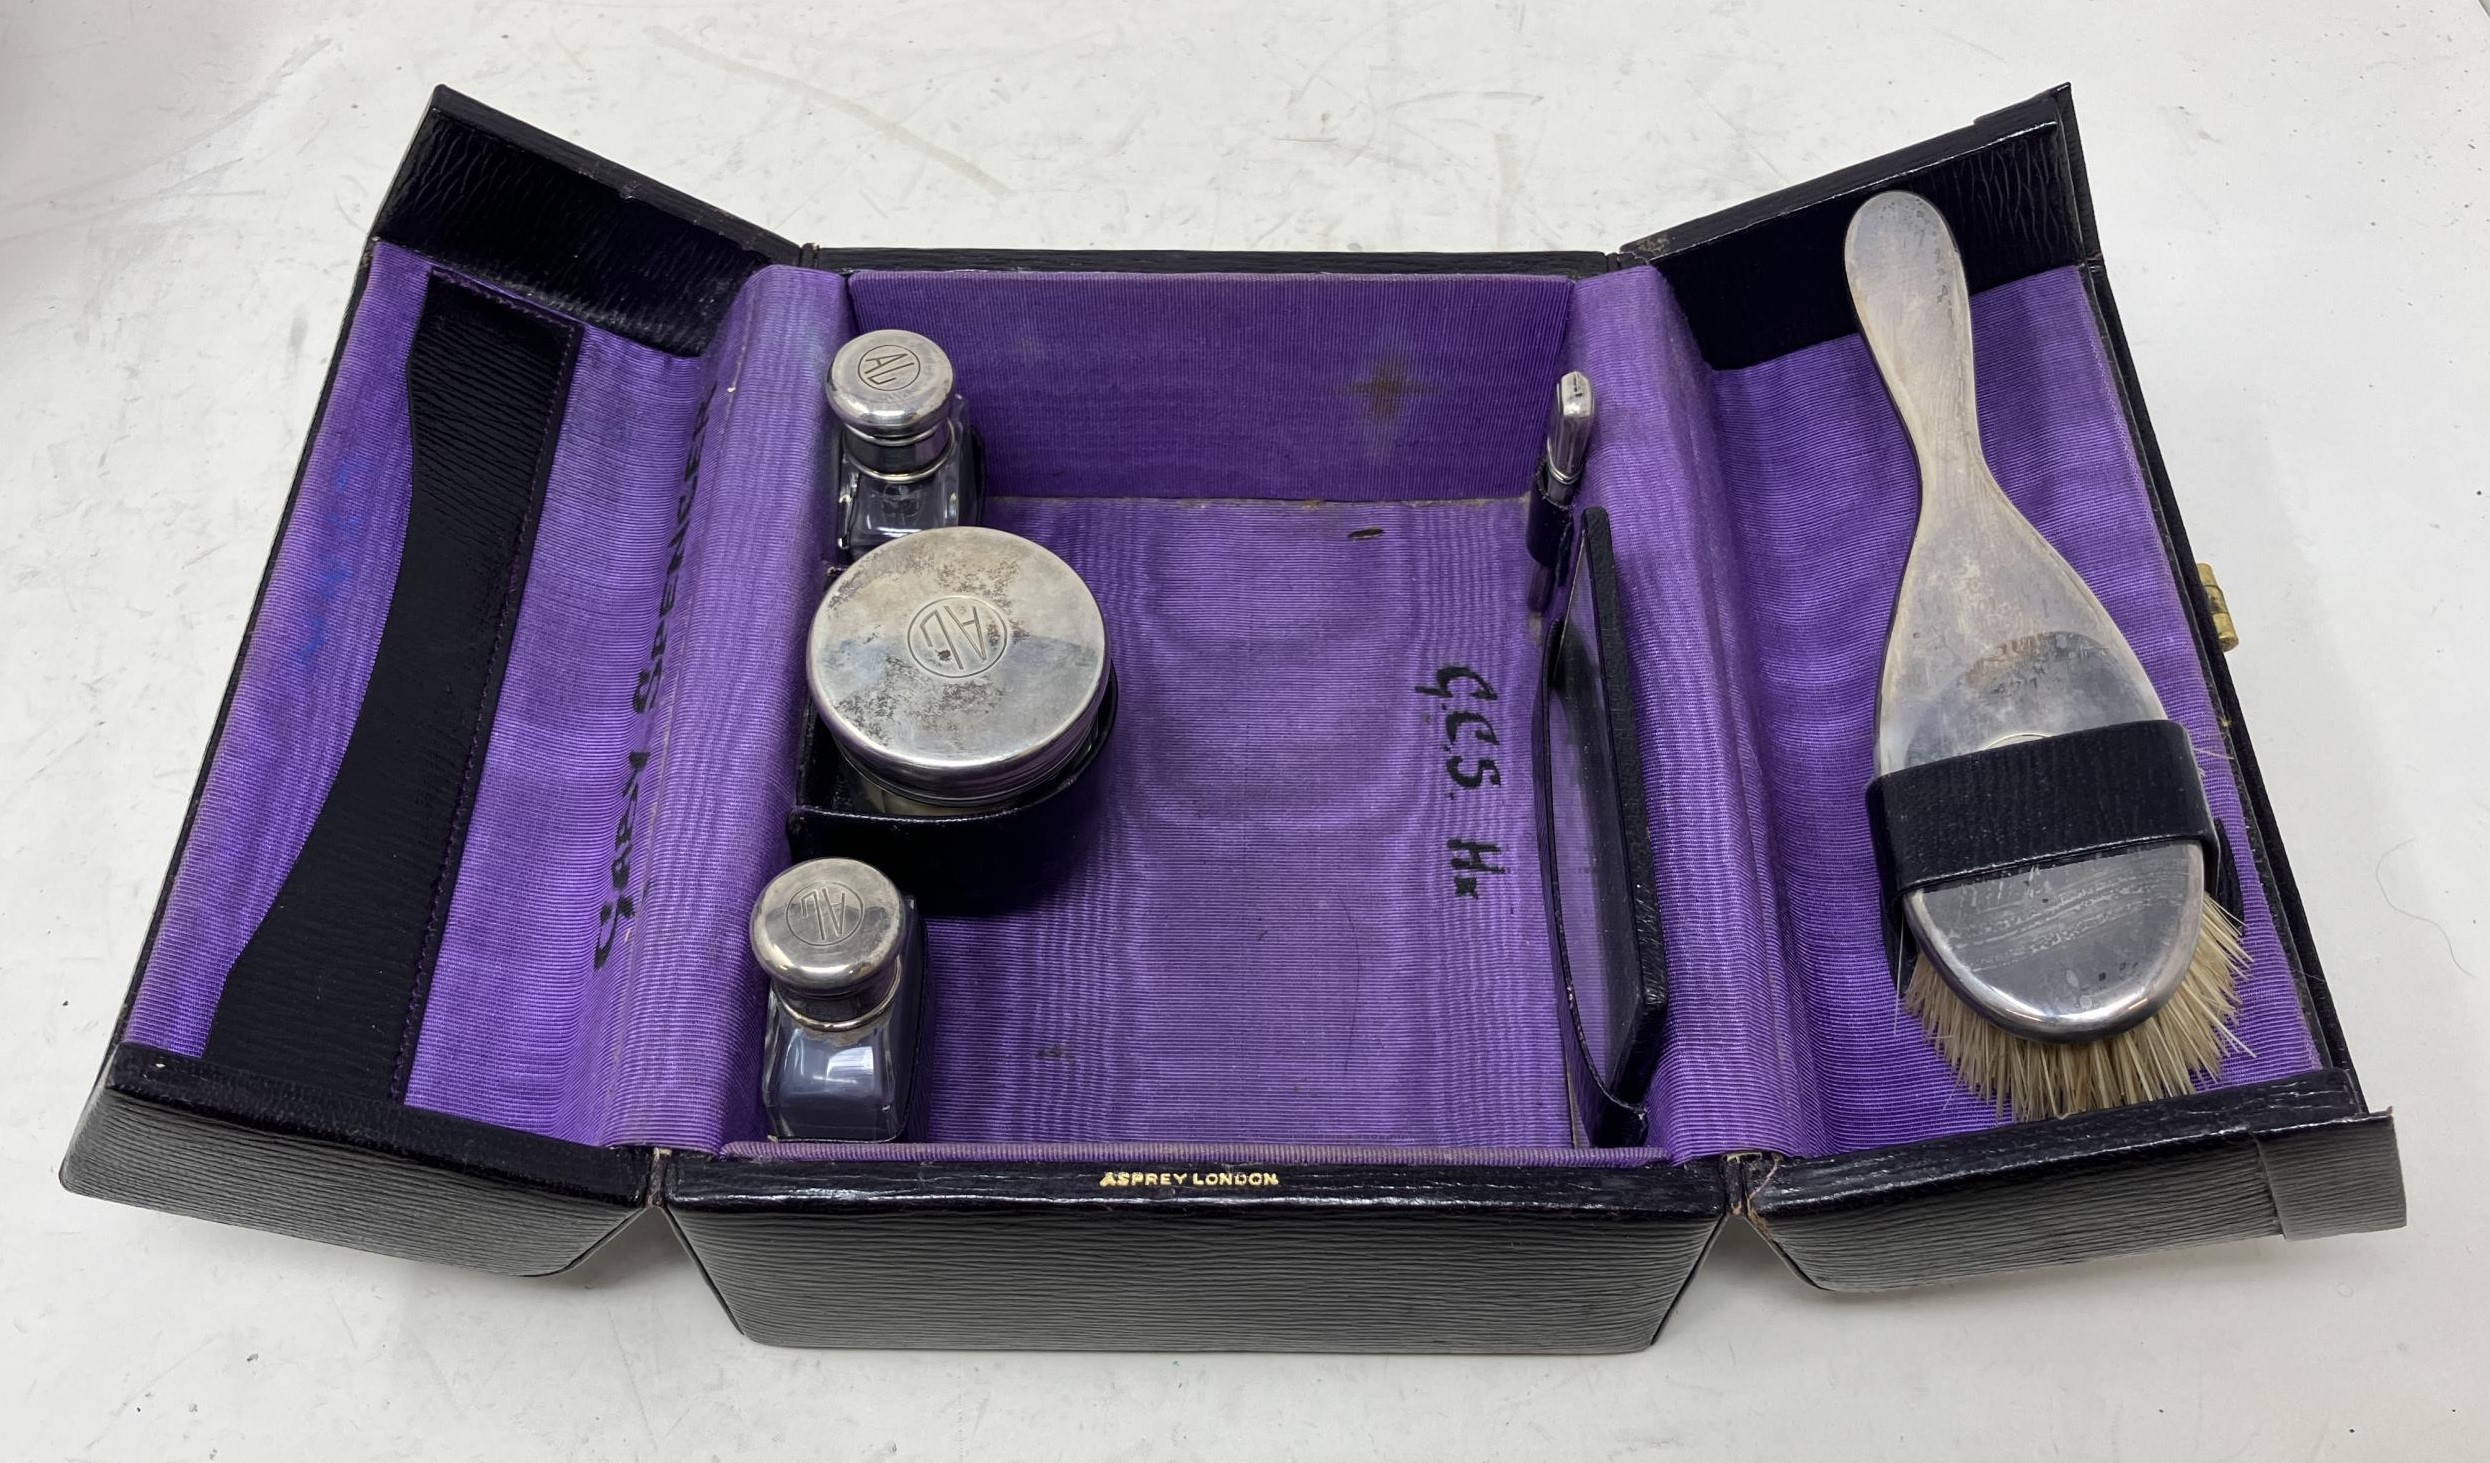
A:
(1302, 508)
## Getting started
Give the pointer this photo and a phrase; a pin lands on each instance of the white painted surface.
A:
(2296, 203)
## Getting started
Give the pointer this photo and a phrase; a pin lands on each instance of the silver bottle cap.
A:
(891, 391)
(959, 666)
(1570, 422)
(829, 933)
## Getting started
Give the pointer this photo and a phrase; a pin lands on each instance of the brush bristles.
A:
(2161, 1057)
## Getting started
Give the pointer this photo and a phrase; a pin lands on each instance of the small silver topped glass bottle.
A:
(907, 459)
(844, 951)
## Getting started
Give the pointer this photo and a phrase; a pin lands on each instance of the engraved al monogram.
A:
(889, 367)
(825, 916)
(958, 635)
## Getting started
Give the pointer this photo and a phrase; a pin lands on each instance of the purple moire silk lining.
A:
(1302, 507)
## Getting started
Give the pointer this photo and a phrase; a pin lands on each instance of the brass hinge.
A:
(2225, 630)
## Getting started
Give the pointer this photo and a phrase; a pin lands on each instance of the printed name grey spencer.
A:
(622, 902)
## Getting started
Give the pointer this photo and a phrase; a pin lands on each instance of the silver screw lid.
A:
(959, 666)
(890, 383)
(830, 933)
(892, 393)
(1569, 434)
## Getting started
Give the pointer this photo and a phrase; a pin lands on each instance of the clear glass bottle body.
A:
(853, 1086)
(875, 508)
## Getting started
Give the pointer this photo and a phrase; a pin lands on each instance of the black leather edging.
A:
(1765, 278)
(2044, 801)
(2264, 842)
(2342, 1176)
(1566, 264)
(1793, 1185)
(1327, 1259)
(1693, 1190)
(2298, 1156)
(165, 1132)
(533, 214)
(329, 989)
(436, 1140)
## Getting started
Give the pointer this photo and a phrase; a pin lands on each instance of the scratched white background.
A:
(2296, 204)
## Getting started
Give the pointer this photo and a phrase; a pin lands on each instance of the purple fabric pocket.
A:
(593, 982)
(1293, 386)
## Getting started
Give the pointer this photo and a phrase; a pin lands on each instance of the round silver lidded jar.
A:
(959, 668)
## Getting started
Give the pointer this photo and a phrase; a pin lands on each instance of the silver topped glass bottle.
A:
(907, 459)
(844, 951)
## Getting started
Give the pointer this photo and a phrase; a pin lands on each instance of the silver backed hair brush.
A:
(2095, 982)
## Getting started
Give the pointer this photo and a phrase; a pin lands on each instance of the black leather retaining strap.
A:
(2039, 802)
(1544, 531)
(330, 988)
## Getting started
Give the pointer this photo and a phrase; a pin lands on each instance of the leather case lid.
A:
(548, 222)
(2299, 1157)
(2014, 190)
(2011, 185)
(501, 201)
(174, 1133)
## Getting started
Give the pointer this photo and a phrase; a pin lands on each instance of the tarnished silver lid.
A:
(830, 934)
(1570, 422)
(959, 666)
(892, 392)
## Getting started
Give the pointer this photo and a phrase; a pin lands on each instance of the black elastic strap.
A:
(2038, 802)
(330, 988)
